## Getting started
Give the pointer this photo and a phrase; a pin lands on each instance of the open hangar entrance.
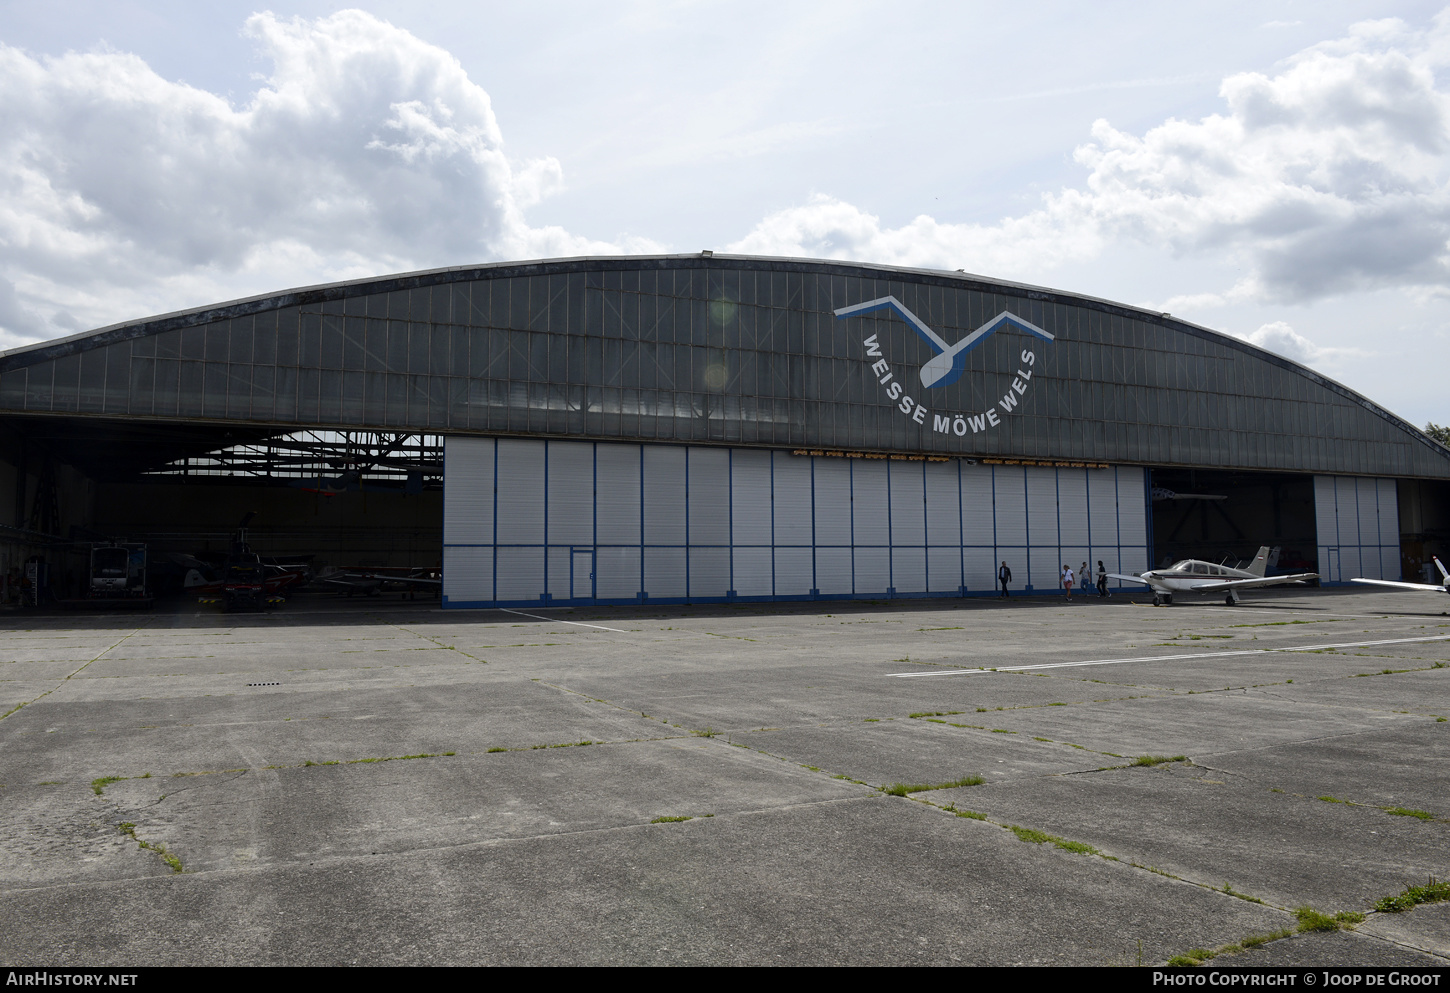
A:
(1338, 526)
(328, 499)
(1424, 528)
(1224, 516)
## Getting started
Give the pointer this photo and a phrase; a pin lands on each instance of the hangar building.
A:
(706, 428)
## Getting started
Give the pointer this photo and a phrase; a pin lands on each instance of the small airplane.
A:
(1426, 587)
(1164, 493)
(1195, 576)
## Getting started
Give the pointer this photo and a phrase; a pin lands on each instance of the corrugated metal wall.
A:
(1358, 524)
(533, 521)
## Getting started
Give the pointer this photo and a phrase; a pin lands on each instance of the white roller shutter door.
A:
(616, 572)
(1046, 561)
(868, 508)
(617, 500)
(520, 573)
(908, 569)
(1072, 508)
(981, 568)
(754, 572)
(873, 570)
(571, 497)
(468, 574)
(664, 501)
(977, 524)
(1132, 515)
(943, 505)
(908, 504)
(792, 503)
(1010, 506)
(1103, 519)
(468, 491)
(793, 571)
(833, 503)
(709, 571)
(750, 498)
(664, 572)
(709, 496)
(833, 570)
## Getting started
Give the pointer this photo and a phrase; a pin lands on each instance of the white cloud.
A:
(1279, 337)
(364, 150)
(1330, 177)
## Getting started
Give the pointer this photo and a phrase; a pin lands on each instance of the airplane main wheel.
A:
(1229, 600)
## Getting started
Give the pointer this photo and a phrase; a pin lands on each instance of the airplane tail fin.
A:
(1260, 564)
(1441, 566)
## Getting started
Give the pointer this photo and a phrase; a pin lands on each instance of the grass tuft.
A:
(903, 789)
(1035, 837)
(1413, 896)
(1230, 891)
(98, 785)
(1423, 815)
(1158, 759)
(1255, 940)
(1312, 920)
(670, 820)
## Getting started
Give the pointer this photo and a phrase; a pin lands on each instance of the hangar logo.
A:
(947, 366)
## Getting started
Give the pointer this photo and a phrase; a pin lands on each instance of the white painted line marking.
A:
(561, 620)
(1169, 658)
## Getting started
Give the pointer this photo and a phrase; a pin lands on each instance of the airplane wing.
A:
(1403, 586)
(385, 577)
(1243, 584)
(1130, 579)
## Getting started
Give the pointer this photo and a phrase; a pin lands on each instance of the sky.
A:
(1278, 171)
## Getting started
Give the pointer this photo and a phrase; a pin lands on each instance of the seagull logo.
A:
(951, 360)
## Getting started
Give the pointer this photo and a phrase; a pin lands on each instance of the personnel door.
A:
(581, 575)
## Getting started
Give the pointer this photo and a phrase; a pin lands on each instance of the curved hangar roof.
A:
(702, 348)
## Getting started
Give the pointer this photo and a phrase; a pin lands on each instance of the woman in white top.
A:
(1067, 579)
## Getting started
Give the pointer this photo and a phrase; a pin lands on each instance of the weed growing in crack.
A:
(1312, 920)
(1423, 815)
(127, 828)
(1413, 896)
(1158, 759)
(99, 785)
(1035, 837)
(1230, 891)
(903, 789)
(670, 820)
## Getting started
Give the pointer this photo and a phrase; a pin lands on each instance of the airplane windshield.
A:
(1185, 566)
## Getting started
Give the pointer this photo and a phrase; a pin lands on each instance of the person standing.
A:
(1004, 576)
(1067, 579)
(1084, 578)
(1102, 580)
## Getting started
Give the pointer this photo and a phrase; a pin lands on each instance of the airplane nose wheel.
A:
(1162, 599)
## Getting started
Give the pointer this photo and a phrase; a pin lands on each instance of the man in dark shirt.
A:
(1004, 576)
